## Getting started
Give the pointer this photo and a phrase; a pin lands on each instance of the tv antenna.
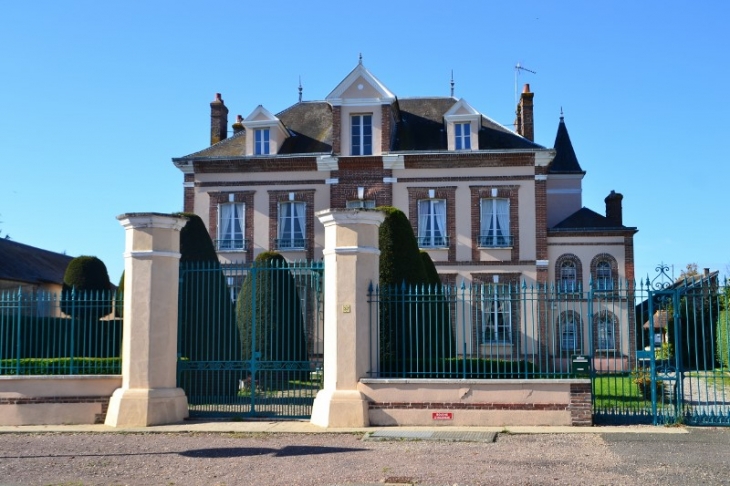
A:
(518, 69)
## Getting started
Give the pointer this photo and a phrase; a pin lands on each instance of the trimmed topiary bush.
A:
(439, 340)
(207, 330)
(269, 318)
(85, 293)
(402, 329)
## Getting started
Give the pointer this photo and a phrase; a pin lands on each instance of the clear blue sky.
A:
(97, 97)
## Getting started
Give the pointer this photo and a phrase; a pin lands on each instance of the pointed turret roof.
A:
(565, 161)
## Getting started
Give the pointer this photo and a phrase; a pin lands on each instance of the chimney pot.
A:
(218, 120)
(526, 89)
(614, 211)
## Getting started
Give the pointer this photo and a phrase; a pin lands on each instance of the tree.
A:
(85, 289)
(207, 330)
(439, 339)
(269, 315)
(403, 329)
(690, 272)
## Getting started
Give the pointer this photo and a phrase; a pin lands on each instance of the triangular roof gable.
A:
(360, 84)
(260, 114)
(461, 107)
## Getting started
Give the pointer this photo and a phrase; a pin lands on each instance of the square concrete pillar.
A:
(351, 264)
(149, 395)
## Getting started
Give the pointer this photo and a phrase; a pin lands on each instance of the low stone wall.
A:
(56, 400)
(495, 403)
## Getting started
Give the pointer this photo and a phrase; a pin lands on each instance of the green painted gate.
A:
(680, 371)
(250, 340)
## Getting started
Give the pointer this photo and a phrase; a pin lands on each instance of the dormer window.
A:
(462, 126)
(265, 134)
(462, 136)
(261, 141)
(362, 134)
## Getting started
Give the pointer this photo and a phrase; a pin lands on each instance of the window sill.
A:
(494, 247)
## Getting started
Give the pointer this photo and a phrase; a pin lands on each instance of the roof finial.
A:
(300, 89)
(561, 113)
(452, 83)
(360, 60)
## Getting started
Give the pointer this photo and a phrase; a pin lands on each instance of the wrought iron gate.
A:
(250, 338)
(680, 373)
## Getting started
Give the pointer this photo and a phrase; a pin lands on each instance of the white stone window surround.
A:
(231, 227)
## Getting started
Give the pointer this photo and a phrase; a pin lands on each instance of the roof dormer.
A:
(462, 127)
(265, 133)
(363, 105)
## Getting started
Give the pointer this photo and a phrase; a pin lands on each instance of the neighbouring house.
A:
(30, 272)
(30, 269)
(489, 204)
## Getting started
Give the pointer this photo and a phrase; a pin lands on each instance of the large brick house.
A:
(487, 203)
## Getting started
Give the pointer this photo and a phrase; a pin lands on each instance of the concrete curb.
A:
(305, 427)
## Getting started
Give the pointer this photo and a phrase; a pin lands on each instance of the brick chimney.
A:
(524, 122)
(238, 126)
(614, 212)
(218, 120)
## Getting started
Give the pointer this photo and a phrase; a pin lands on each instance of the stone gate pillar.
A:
(351, 264)
(148, 395)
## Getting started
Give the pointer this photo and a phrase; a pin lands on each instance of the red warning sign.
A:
(442, 415)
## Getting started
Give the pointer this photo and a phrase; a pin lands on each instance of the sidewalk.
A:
(305, 427)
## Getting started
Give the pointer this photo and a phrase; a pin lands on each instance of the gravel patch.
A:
(218, 459)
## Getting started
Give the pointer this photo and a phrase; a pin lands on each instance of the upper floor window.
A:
(494, 223)
(432, 223)
(568, 277)
(292, 225)
(462, 136)
(261, 141)
(604, 279)
(231, 226)
(362, 134)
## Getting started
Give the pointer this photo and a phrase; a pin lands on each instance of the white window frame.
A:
(568, 276)
(262, 141)
(231, 227)
(606, 333)
(494, 223)
(496, 312)
(432, 229)
(360, 204)
(569, 334)
(361, 134)
(604, 276)
(462, 136)
(292, 230)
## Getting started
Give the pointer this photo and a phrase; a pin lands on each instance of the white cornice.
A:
(185, 166)
(385, 95)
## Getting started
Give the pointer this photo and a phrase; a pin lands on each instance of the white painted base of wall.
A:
(144, 407)
(336, 408)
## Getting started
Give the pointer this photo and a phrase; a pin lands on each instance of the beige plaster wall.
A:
(470, 402)
(55, 400)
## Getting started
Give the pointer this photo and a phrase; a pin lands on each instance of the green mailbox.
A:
(580, 364)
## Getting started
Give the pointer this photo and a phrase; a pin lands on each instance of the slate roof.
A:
(24, 263)
(420, 127)
(565, 161)
(585, 219)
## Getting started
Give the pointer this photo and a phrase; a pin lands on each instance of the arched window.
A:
(604, 272)
(605, 331)
(569, 329)
(568, 271)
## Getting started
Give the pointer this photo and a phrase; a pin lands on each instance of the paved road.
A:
(700, 456)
